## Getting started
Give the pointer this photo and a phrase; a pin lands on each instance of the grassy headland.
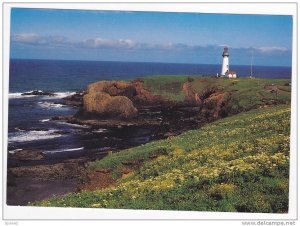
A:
(240, 163)
(246, 93)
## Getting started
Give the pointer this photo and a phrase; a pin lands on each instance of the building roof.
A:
(231, 72)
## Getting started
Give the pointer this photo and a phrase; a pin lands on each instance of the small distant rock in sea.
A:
(27, 155)
(75, 99)
(38, 93)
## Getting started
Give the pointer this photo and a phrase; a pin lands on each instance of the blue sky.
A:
(150, 36)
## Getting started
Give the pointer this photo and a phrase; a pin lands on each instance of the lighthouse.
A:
(225, 64)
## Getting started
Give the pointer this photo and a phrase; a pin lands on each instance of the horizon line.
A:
(154, 62)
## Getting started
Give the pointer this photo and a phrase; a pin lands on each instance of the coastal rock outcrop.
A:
(27, 155)
(214, 104)
(114, 101)
(144, 96)
(113, 88)
(134, 90)
(117, 98)
(101, 103)
(75, 99)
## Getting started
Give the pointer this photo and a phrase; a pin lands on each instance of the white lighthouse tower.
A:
(225, 64)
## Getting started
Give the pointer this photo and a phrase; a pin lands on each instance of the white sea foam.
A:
(32, 135)
(57, 95)
(45, 120)
(18, 95)
(49, 105)
(15, 150)
(64, 150)
(99, 131)
(73, 125)
(20, 130)
(64, 94)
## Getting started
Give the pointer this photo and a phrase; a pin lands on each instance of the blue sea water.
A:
(29, 124)
(60, 75)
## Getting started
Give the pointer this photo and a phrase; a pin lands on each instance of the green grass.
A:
(240, 163)
(246, 93)
(168, 86)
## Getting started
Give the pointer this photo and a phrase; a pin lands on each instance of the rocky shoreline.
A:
(112, 105)
(35, 169)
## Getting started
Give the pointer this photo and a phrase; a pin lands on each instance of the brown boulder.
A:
(120, 89)
(97, 86)
(103, 104)
(113, 88)
(95, 101)
(121, 106)
(116, 98)
(134, 90)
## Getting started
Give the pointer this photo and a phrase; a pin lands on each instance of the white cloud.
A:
(95, 43)
(26, 38)
(107, 43)
(127, 43)
(271, 49)
(40, 40)
(33, 39)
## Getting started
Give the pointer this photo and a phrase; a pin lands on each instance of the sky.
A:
(197, 38)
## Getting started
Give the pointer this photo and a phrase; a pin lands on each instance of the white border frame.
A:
(43, 213)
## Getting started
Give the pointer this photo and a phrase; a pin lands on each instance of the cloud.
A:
(29, 38)
(107, 43)
(96, 43)
(271, 49)
(32, 39)
(55, 41)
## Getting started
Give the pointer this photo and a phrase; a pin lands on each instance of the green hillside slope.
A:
(240, 163)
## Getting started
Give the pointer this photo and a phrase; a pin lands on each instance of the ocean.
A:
(29, 124)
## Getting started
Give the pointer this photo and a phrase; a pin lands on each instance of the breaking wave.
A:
(73, 125)
(58, 95)
(49, 105)
(18, 95)
(15, 150)
(64, 150)
(24, 136)
(45, 120)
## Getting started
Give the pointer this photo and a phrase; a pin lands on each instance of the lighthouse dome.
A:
(225, 52)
